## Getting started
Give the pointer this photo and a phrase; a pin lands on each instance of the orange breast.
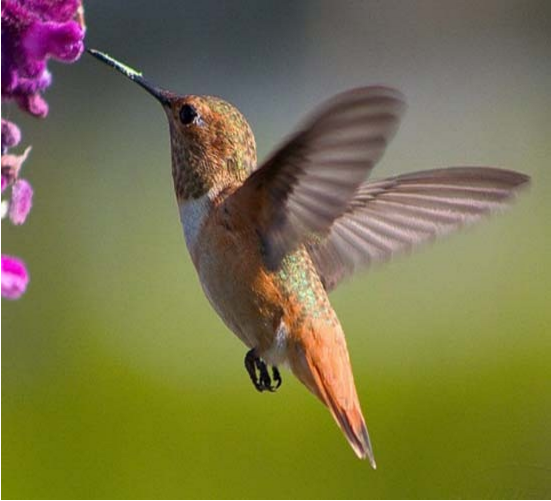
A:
(229, 264)
(252, 301)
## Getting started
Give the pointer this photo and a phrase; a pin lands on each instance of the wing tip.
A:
(368, 94)
(522, 180)
(515, 178)
(510, 179)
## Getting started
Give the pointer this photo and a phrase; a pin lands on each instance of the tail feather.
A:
(350, 420)
(320, 360)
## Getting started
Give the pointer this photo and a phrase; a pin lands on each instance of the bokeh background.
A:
(118, 378)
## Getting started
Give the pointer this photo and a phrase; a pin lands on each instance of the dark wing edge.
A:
(397, 214)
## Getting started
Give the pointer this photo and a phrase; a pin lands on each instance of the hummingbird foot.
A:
(277, 377)
(258, 372)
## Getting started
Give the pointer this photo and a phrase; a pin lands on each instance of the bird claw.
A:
(277, 377)
(261, 381)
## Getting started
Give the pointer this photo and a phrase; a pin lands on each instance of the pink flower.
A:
(14, 277)
(21, 201)
(33, 31)
(11, 135)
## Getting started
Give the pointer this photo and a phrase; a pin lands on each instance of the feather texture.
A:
(309, 182)
(399, 213)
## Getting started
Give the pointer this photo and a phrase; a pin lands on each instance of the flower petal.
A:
(32, 32)
(21, 201)
(14, 277)
(62, 41)
(54, 10)
(11, 135)
(34, 104)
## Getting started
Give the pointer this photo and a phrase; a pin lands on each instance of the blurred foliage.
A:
(119, 381)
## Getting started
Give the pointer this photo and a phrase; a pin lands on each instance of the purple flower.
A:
(11, 135)
(32, 32)
(14, 277)
(21, 201)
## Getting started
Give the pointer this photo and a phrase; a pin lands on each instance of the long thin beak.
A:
(161, 95)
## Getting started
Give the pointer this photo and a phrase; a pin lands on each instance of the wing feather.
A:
(309, 182)
(397, 214)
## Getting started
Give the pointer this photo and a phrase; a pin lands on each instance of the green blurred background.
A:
(118, 378)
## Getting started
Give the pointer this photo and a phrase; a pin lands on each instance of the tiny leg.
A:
(264, 375)
(250, 365)
(277, 377)
(261, 381)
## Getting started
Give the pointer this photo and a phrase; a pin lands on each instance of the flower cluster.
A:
(32, 32)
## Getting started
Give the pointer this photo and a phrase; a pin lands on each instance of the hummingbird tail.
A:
(349, 418)
(326, 372)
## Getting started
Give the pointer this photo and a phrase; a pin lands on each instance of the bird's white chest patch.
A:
(193, 214)
(277, 352)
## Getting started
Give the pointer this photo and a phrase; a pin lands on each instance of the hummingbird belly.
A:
(226, 254)
(267, 310)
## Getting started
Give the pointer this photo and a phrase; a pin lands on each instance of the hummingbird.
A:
(270, 241)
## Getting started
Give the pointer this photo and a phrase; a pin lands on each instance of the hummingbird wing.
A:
(309, 181)
(397, 214)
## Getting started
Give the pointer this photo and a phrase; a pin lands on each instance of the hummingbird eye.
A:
(188, 114)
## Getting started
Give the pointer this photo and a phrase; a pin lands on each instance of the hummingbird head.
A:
(213, 146)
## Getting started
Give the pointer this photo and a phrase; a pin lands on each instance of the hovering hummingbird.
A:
(270, 241)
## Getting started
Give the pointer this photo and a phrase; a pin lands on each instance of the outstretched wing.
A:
(309, 182)
(396, 214)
